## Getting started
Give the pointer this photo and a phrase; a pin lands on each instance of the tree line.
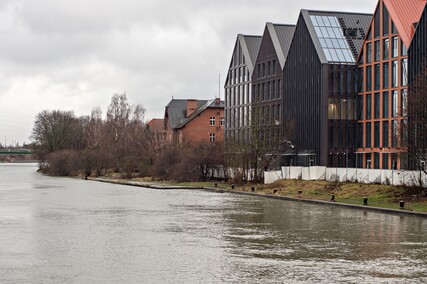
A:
(70, 145)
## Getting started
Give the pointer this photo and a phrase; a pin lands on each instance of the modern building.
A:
(417, 96)
(267, 81)
(194, 121)
(383, 96)
(238, 87)
(320, 87)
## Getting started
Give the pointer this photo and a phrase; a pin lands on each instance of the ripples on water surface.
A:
(60, 230)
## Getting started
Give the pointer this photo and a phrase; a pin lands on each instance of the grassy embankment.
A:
(384, 196)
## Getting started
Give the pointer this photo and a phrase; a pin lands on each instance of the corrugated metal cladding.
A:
(253, 43)
(357, 21)
(302, 94)
(285, 34)
(404, 14)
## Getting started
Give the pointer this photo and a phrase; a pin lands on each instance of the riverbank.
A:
(385, 198)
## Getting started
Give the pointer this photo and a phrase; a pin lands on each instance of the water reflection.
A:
(66, 231)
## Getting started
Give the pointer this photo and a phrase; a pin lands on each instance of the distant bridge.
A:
(15, 152)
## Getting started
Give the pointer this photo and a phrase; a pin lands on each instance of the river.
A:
(63, 230)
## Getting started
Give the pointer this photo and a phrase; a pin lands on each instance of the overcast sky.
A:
(75, 54)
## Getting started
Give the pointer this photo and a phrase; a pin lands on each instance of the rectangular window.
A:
(386, 48)
(368, 107)
(263, 70)
(368, 135)
(279, 89)
(377, 24)
(404, 102)
(268, 90)
(394, 134)
(368, 52)
(385, 105)
(385, 134)
(386, 76)
(394, 103)
(273, 89)
(222, 121)
(385, 21)
(385, 161)
(274, 67)
(377, 134)
(212, 121)
(394, 74)
(377, 51)
(368, 78)
(395, 51)
(404, 72)
(259, 71)
(269, 69)
(377, 77)
(377, 105)
(403, 50)
(212, 137)
(376, 160)
(393, 28)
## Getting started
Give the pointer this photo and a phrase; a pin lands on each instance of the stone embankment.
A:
(158, 185)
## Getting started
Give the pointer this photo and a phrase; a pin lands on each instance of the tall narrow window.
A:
(394, 103)
(377, 105)
(404, 72)
(385, 76)
(385, 134)
(395, 43)
(386, 48)
(377, 23)
(377, 50)
(368, 135)
(377, 77)
(368, 52)
(403, 50)
(385, 21)
(269, 69)
(368, 78)
(385, 105)
(263, 70)
(368, 109)
(274, 67)
(273, 91)
(404, 102)
(222, 121)
(377, 134)
(393, 28)
(394, 134)
(394, 72)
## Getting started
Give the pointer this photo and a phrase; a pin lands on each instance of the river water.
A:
(62, 230)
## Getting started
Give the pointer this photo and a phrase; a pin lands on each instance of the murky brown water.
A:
(59, 230)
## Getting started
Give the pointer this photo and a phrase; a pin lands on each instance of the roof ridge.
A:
(340, 12)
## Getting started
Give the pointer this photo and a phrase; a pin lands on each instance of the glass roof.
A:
(332, 39)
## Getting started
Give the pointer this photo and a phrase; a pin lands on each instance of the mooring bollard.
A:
(232, 186)
(253, 189)
(402, 204)
(299, 193)
(365, 201)
(275, 191)
(333, 198)
(216, 185)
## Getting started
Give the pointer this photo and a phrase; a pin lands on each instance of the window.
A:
(376, 134)
(263, 70)
(403, 50)
(222, 121)
(269, 69)
(368, 52)
(385, 21)
(377, 105)
(212, 121)
(377, 50)
(386, 48)
(368, 78)
(259, 71)
(377, 77)
(395, 51)
(394, 102)
(211, 137)
(385, 161)
(404, 72)
(385, 105)
(385, 76)
(393, 28)
(394, 72)
(368, 107)
(377, 23)
(385, 134)
(404, 102)
(394, 134)
(274, 67)
(368, 135)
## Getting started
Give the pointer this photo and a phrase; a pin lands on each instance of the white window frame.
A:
(211, 137)
(212, 121)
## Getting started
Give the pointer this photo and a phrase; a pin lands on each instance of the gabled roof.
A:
(176, 111)
(339, 47)
(250, 45)
(281, 36)
(405, 13)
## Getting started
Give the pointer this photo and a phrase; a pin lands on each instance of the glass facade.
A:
(332, 39)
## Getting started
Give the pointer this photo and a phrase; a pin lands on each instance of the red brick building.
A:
(194, 121)
(157, 129)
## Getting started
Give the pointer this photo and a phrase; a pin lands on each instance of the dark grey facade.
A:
(320, 87)
(238, 91)
(417, 52)
(267, 80)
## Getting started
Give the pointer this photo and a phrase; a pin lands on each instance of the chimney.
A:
(191, 107)
(217, 101)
